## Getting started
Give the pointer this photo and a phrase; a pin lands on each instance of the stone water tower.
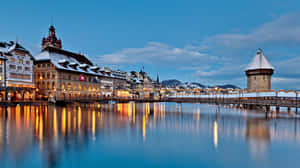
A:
(259, 73)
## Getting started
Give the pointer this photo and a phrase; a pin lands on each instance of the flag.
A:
(96, 79)
(82, 78)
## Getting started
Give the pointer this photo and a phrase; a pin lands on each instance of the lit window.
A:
(27, 62)
(63, 86)
(0, 77)
(20, 61)
(12, 60)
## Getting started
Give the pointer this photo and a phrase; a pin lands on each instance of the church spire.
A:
(51, 40)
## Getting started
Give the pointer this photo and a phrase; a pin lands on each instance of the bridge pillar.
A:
(277, 109)
(289, 109)
(268, 108)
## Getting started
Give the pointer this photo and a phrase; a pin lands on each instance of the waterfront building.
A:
(143, 85)
(259, 73)
(16, 71)
(2, 70)
(65, 75)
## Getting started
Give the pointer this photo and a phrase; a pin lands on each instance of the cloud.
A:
(159, 54)
(223, 57)
(284, 32)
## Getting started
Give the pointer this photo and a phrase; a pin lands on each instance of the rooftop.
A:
(260, 62)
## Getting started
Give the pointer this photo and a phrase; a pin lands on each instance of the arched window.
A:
(84, 87)
(79, 87)
(63, 86)
(48, 85)
(38, 85)
(53, 85)
(69, 86)
(75, 87)
(90, 88)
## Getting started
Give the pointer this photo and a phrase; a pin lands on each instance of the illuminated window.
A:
(0, 77)
(20, 61)
(27, 77)
(90, 88)
(79, 87)
(84, 87)
(63, 86)
(13, 75)
(53, 85)
(27, 62)
(74, 87)
(53, 76)
(69, 86)
(0, 62)
(12, 60)
(48, 85)
(20, 76)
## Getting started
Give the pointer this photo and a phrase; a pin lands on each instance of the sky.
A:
(210, 42)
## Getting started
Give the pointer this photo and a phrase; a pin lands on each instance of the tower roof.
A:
(260, 62)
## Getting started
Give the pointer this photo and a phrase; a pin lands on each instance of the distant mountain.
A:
(172, 83)
(228, 86)
(191, 85)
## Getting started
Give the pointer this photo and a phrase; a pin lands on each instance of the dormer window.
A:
(63, 62)
(94, 69)
(83, 67)
(73, 65)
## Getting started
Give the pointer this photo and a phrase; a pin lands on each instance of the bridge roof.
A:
(259, 62)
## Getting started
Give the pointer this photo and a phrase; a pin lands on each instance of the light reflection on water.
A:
(145, 135)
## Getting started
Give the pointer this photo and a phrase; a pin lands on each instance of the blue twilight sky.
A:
(210, 42)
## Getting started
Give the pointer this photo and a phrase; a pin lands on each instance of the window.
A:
(38, 85)
(63, 86)
(12, 60)
(48, 85)
(13, 75)
(69, 86)
(19, 68)
(53, 85)
(12, 67)
(48, 75)
(79, 87)
(27, 68)
(53, 76)
(28, 62)
(38, 65)
(20, 76)
(0, 62)
(0, 78)
(20, 61)
(27, 77)
(0, 69)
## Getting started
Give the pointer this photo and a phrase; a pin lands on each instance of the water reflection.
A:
(50, 132)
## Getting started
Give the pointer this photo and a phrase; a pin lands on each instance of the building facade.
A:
(16, 69)
(259, 73)
(64, 75)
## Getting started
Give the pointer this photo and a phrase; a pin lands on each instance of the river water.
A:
(146, 135)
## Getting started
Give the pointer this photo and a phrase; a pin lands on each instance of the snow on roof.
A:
(57, 58)
(259, 62)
